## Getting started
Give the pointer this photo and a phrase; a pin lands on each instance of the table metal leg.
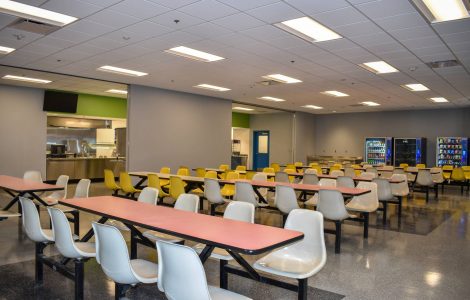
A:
(260, 197)
(15, 199)
(90, 232)
(206, 252)
(138, 185)
(223, 274)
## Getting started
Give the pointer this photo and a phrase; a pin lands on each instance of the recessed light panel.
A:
(282, 78)
(26, 79)
(121, 71)
(6, 50)
(370, 103)
(269, 98)
(415, 87)
(378, 67)
(443, 10)
(242, 108)
(308, 29)
(114, 91)
(212, 87)
(35, 13)
(312, 106)
(439, 99)
(194, 54)
(334, 94)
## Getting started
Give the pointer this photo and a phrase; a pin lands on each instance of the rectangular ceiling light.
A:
(308, 29)
(269, 98)
(242, 108)
(114, 91)
(334, 94)
(35, 13)
(312, 106)
(26, 79)
(121, 71)
(439, 99)
(194, 54)
(370, 103)
(212, 87)
(282, 78)
(415, 87)
(6, 50)
(443, 10)
(378, 67)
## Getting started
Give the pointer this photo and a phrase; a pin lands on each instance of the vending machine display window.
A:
(452, 151)
(411, 151)
(378, 150)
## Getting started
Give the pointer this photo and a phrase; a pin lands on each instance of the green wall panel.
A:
(240, 120)
(101, 106)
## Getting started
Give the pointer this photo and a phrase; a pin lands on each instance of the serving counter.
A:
(83, 167)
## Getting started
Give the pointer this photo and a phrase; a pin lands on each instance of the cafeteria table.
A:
(358, 178)
(19, 187)
(192, 181)
(235, 237)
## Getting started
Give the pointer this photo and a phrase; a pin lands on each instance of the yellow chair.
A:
(421, 166)
(276, 167)
(126, 184)
(110, 182)
(153, 181)
(298, 164)
(240, 168)
(250, 174)
(183, 171)
(224, 167)
(290, 171)
(466, 170)
(269, 170)
(165, 170)
(458, 176)
(404, 166)
(228, 190)
(200, 172)
(211, 174)
(446, 171)
(312, 164)
(291, 166)
(176, 187)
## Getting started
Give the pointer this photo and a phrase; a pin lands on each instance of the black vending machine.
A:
(411, 151)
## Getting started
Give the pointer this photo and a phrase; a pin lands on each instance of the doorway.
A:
(260, 149)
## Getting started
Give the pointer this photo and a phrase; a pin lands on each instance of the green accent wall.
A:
(101, 106)
(240, 120)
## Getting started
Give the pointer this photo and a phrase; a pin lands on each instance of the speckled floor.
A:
(425, 256)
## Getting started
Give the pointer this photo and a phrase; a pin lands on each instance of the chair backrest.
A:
(244, 192)
(420, 166)
(412, 169)
(349, 171)
(112, 254)
(240, 168)
(331, 205)
(148, 195)
(313, 164)
(180, 266)
(182, 171)
(212, 190)
(311, 171)
(276, 167)
(401, 187)
(298, 164)
(436, 174)
(232, 175)
(31, 221)
(398, 171)
(371, 170)
(165, 170)
(126, 182)
(404, 166)
(285, 199)
(211, 174)
(62, 234)
(368, 200)
(312, 246)
(187, 202)
(424, 178)
(268, 170)
(62, 181)
(224, 167)
(83, 187)
(176, 187)
(240, 211)
(327, 182)
(281, 177)
(368, 175)
(109, 180)
(250, 174)
(260, 176)
(33, 175)
(310, 178)
(337, 173)
(290, 166)
(345, 181)
(384, 189)
(457, 174)
(153, 181)
(200, 172)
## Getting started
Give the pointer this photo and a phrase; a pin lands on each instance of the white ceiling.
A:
(133, 34)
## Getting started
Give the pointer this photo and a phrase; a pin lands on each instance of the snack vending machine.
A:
(452, 151)
(411, 151)
(378, 150)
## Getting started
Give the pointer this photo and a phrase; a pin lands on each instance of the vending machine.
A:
(378, 150)
(452, 151)
(411, 151)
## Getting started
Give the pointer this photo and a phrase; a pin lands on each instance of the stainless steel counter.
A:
(83, 167)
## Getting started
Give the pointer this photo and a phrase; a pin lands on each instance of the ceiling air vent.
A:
(443, 64)
(33, 26)
(268, 82)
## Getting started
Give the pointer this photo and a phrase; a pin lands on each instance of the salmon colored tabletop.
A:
(143, 174)
(229, 234)
(21, 185)
(357, 178)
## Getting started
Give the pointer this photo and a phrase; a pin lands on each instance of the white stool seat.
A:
(313, 200)
(118, 224)
(65, 209)
(222, 294)
(8, 214)
(145, 271)
(359, 207)
(217, 253)
(158, 236)
(400, 193)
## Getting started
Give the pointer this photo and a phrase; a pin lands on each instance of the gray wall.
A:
(22, 131)
(304, 136)
(343, 134)
(168, 128)
(280, 134)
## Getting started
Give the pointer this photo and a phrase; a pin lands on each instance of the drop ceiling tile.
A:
(105, 43)
(77, 9)
(288, 42)
(457, 38)
(244, 5)
(338, 44)
(169, 20)
(19, 58)
(174, 3)
(89, 49)
(148, 29)
(238, 22)
(340, 17)
(16, 38)
(413, 33)
(234, 39)
(386, 8)
(102, 3)
(265, 33)
(276, 12)
(208, 10)
(310, 8)
(70, 55)
(113, 19)
(208, 30)
(6, 20)
(436, 57)
(89, 27)
(432, 50)
(125, 37)
(358, 29)
(55, 42)
(452, 27)
(425, 42)
(401, 21)
(462, 47)
(373, 39)
(70, 35)
(140, 8)
(41, 49)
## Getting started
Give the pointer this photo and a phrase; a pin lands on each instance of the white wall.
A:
(168, 128)
(22, 130)
(304, 136)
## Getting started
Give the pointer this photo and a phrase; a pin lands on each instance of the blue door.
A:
(260, 149)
